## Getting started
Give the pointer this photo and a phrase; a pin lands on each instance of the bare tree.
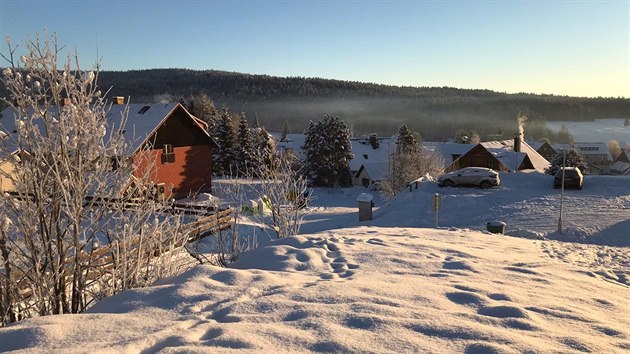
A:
(407, 166)
(74, 229)
(284, 191)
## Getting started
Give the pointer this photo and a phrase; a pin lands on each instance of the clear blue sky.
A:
(576, 48)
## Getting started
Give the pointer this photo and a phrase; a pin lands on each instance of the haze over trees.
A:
(366, 107)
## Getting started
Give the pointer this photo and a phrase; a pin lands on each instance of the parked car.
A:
(573, 178)
(471, 176)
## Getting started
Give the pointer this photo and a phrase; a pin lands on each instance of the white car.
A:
(471, 176)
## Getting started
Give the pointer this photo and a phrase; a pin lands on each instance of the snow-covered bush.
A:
(69, 234)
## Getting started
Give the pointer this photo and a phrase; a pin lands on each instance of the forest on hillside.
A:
(435, 112)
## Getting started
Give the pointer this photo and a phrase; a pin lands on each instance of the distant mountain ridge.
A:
(436, 112)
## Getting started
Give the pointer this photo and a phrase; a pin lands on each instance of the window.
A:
(144, 109)
(365, 156)
(168, 156)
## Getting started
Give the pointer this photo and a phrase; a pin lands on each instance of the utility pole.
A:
(564, 161)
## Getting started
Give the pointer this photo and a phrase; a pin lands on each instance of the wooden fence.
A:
(209, 221)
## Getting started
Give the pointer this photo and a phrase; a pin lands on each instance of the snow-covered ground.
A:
(393, 284)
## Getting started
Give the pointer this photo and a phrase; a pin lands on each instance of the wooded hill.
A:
(436, 112)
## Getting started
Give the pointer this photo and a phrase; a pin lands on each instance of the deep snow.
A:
(393, 284)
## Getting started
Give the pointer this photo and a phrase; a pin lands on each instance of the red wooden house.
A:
(170, 140)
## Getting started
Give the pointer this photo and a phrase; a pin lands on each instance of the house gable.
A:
(179, 129)
(478, 156)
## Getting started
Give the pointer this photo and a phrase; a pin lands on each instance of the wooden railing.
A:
(209, 221)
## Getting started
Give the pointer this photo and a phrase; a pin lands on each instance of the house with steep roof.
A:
(545, 149)
(596, 155)
(504, 155)
(517, 155)
(621, 166)
(372, 156)
(164, 136)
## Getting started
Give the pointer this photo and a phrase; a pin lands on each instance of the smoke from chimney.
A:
(521, 132)
(521, 125)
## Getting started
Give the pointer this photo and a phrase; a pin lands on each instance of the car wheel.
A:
(485, 184)
(448, 183)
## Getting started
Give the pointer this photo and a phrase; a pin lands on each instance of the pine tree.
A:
(256, 122)
(223, 134)
(408, 163)
(285, 130)
(328, 151)
(246, 150)
(406, 141)
(264, 145)
(574, 158)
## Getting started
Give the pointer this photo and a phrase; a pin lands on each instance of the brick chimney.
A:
(517, 143)
(118, 100)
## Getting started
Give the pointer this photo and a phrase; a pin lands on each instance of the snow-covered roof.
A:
(587, 148)
(620, 167)
(142, 120)
(447, 151)
(364, 153)
(503, 150)
(377, 171)
(292, 142)
(536, 144)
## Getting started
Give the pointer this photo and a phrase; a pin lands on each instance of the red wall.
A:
(190, 173)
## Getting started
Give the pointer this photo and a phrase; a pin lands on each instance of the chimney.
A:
(517, 143)
(119, 100)
(373, 138)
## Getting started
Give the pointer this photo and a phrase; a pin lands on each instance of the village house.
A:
(371, 160)
(164, 136)
(596, 155)
(504, 155)
(621, 165)
(543, 148)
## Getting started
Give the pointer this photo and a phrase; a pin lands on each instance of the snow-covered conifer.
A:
(574, 158)
(224, 136)
(328, 152)
(246, 149)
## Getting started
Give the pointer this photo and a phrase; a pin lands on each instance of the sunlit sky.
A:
(578, 48)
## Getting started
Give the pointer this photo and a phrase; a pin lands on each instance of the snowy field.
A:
(597, 130)
(393, 284)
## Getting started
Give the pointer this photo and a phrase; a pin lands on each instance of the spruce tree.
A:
(328, 152)
(406, 141)
(246, 149)
(264, 145)
(574, 158)
(223, 134)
